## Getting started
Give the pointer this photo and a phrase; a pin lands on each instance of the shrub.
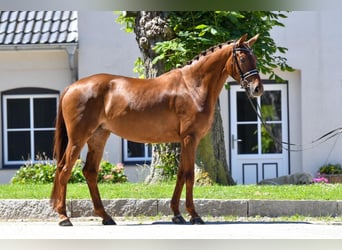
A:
(44, 172)
(110, 173)
(330, 169)
(35, 173)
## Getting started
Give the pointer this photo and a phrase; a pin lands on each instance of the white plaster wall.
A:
(313, 42)
(103, 46)
(33, 68)
(294, 110)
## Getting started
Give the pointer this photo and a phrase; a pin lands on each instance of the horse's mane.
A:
(207, 52)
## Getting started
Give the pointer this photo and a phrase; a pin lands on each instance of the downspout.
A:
(71, 50)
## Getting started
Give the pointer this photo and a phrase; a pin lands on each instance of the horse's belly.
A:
(146, 129)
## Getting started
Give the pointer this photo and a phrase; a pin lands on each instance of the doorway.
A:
(254, 154)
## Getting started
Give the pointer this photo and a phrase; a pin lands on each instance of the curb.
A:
(41, 209)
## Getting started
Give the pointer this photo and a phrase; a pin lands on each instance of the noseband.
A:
(243, 76)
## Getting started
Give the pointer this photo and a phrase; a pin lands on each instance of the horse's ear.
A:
(251, 41)
(241, 40)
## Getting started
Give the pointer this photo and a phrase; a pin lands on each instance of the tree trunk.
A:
(211, 153)
(152, 27)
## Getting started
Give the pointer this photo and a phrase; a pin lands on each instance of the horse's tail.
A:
(60, 144)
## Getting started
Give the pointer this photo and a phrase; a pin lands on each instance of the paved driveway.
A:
(92, 229)
(147, 235)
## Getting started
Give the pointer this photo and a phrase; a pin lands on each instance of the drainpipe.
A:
(71, 50)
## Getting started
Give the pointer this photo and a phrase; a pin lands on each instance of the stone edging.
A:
(40, 209)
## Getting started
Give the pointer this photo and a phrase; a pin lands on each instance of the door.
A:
(254, 154)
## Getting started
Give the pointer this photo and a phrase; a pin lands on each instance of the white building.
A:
(311, 99)
(304, 108)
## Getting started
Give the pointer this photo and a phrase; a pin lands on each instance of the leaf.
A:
(202, 33)
(282, 50)
(157, 58)
(213, 31)
(201, 27)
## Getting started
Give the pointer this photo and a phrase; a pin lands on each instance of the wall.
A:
(33, 68)
(313, 42)
(295, 112)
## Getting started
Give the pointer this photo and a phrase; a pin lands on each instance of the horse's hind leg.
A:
(63, 175)
(96, 145)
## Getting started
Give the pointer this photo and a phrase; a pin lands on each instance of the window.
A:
(136, 152)
(28, 127)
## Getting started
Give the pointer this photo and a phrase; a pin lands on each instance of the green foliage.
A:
(44, 172)
(35, 173)
(110, 173)
(127, 22)
(330, 169)
(195, 31)
(171, 52)
(139, 67)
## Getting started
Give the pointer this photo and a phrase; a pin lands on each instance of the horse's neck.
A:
(207, 75)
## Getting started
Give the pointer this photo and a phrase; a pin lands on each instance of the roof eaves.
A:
(49, 46)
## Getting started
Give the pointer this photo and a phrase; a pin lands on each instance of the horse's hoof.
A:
(108, 222)
(196, 221)
(65, 223)
(178, 219)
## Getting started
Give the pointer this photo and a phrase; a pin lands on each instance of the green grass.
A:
(143, 191)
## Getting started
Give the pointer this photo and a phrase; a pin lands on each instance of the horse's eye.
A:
(242, 59)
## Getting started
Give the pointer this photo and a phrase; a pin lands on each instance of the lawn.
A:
(143, 191)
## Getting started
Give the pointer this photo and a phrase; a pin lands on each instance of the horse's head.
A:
(243, 65)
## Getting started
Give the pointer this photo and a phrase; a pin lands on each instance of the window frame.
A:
(32, 95)
(146, 159)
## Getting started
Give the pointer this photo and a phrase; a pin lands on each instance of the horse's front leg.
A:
(178, 218)
(186, 175)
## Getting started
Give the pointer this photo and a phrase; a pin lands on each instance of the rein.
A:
(325, 137)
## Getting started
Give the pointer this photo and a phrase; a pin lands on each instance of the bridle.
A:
(243, 76)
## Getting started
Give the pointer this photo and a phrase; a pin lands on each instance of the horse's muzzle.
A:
(256, 89)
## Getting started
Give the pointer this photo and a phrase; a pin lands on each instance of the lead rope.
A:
(325, 137)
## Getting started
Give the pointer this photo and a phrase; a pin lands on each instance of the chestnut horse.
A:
(177, 106)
